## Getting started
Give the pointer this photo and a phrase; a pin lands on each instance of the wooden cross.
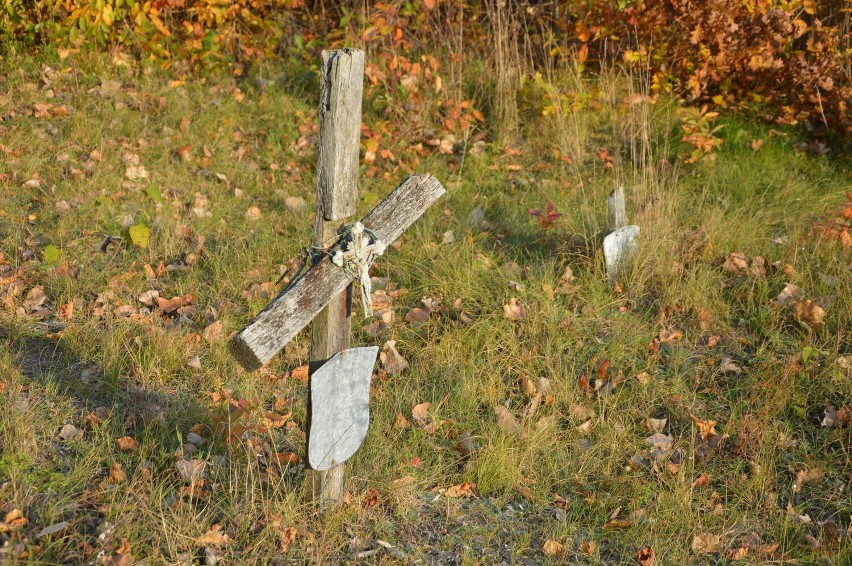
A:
(324, 293)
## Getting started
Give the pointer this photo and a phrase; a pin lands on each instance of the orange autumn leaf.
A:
(461, 490)
(127, 444)
(13, 521)
(706, 429)
(171, 305)
(300, 373)
(287, 458)
(618, 524)
(646, 556)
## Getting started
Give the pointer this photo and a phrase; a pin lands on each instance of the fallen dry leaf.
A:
(706, 429)
(66, 311)
(465, 445)
(70, 432)
(35, 298)
(552, 548)
(116, 473)
(810, 314)
(380, 300)
(670, 335)
(735, 262)
(661, 441)
(213, 537)
(371, 498)
(287, 459)
(417, 317)
(123, 311)
(194, 438)
(149, 298)
(287, 536)
(191, 470)
(841, 416)
(811, 541)
(214, 332)
(644, 377)
(171, 305)
(515, 310)
(184, 153)
(300, 373)
(789, 295)
(805, 476)
(506, 420)
(13, 521)
(618, 524)
(295, 204)
(401, 422)
(376, 327)
(703, 321)
(656, 425)
(646, 556)
(136, 173)
(702, 481)
(52, 529)
(420, 413)
(122, 555)
(392, 361)
(461, 490)
(705, 543)
(127, 444)
(253, 213)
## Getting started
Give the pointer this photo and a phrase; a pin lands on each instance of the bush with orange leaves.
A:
(790, 59)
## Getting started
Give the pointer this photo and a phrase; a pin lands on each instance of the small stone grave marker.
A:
(621, 244)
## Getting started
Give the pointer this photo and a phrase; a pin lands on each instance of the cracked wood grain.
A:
(290, 312)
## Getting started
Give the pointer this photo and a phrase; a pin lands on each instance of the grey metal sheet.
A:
(340, 406)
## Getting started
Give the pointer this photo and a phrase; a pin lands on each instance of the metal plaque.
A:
(340, 406)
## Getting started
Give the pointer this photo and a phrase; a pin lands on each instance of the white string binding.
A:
(356, 260)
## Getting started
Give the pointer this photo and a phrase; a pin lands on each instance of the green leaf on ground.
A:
(52, 255)
(809, 353)
(153, 192)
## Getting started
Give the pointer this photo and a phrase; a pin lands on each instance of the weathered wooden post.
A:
(338, 406)
(341, 91)
(617, 209)
(622, 241)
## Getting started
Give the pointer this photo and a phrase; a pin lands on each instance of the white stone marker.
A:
(622, 242)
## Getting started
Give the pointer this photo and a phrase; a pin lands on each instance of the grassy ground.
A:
(570, 471)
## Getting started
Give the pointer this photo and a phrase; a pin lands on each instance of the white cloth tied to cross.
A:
(356, 259)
